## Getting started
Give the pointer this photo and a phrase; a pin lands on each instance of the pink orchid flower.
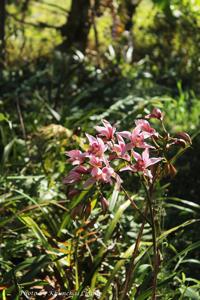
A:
(136, 137)
(96, 173)
(107, 173)
(96, 146)
(142, 163)
(95, 161)
(120, 149)
(76, 157)
(145, 127)
(103, 174)
(107, 131)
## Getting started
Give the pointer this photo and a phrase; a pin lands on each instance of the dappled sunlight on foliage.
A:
(118, 216)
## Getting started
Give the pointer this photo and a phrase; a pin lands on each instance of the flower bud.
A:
(170, 170)
(156, 114)
(181, 142)
(184, 136)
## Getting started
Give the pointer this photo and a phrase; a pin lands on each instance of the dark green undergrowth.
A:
(45, 109)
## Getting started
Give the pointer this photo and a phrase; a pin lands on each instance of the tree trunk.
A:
(2, 31)
(75, 31)
(130, 10)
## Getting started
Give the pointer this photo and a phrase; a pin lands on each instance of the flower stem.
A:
(154, 240)
(143, 215)
(129, 275)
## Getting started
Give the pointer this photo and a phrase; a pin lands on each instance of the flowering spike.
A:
(101, 163)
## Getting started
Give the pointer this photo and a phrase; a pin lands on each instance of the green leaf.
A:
(48, 217)
(188, 249)
(28, 221)
(100, 255)
(171, 230)
(3, 117)
(190, 260)
(54, 113)
(7, 151)
(144, 295)
(115, 220)
(190, 293)
(127, 254)
(114, 197)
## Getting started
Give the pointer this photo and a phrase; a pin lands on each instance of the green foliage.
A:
(48, 99)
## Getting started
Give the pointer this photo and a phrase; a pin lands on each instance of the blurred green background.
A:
(64, 66)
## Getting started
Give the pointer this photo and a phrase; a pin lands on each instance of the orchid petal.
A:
(125, 134)
(136, 155)
(152, 161)
(145, 155)
(91, 138)
(128, 168)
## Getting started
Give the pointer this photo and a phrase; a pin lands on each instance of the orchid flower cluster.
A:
(133, 148)
(110, 153)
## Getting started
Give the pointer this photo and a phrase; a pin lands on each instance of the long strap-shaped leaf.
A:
(102, 252)
(42, 238)
(128, 253)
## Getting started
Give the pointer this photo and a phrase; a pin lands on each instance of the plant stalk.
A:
(129, 275)
(154, 240)
(143, 215)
